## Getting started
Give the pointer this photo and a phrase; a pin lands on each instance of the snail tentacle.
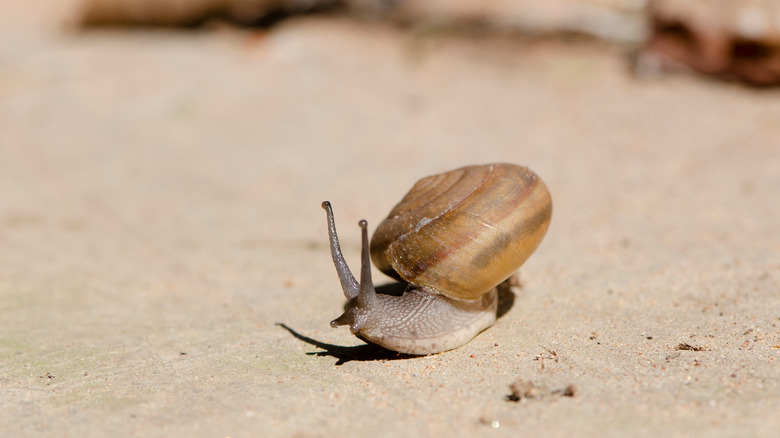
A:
(348, 282)
(367, 294)
(364, 301)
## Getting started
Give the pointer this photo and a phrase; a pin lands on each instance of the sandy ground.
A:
(163, 261)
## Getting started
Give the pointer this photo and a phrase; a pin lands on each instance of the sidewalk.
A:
(164, 267)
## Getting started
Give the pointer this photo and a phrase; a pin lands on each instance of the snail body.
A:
(453, 238)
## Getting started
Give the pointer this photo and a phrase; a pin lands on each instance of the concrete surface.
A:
(163, 261)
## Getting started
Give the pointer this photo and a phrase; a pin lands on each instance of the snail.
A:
(453, 239)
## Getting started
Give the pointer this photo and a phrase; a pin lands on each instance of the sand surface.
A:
(163, 259)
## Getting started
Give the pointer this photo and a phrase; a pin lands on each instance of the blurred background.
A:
(121, 89)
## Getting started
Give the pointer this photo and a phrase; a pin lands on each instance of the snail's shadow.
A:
(373, 352)
(361, 353)
(506, 298)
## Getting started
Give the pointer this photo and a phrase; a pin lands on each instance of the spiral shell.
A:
(463, 232)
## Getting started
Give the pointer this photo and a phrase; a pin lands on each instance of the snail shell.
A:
(464, 232)
(454, 238)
